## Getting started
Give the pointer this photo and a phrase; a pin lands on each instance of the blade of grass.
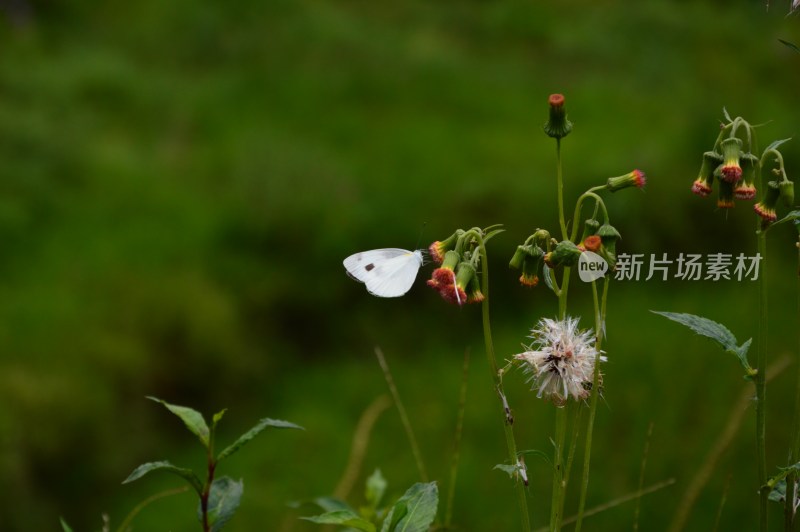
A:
(412, 440)
(462, 403)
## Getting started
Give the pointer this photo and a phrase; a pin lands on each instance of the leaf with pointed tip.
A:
(344, 518)
(191, 418)
(255, 431)
(741, 353)
(330, 504)
(789, 45)
(547, 280)
(492, 234)
(217, 417)
(775, 144)
(793, 216)
(376, 487)
(414, 511)
(704, 327)
(186, 474)
(726, 115)
(64, 526)
(510, 469)
(223, 500)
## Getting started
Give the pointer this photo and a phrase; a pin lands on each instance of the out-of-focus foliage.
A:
(179, 182)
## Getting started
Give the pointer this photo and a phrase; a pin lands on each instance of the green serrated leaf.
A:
(192, 419)
(255, 431)
(704, 327)
(64, 526)
(186, 474)
(376, 487)
(223, 500)
(789, 45)
(415, 510)
(344, 518)
(546, 274)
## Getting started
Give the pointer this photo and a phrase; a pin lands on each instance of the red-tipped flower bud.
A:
(633, 179)
(766, 207)
(705, 178)
(438, 249)
(731, 152)
(558, 126)
(565, 254)
(745, 189)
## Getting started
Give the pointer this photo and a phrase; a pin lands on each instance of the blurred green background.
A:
(180, 181)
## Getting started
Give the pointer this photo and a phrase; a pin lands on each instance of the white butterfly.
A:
(387, 272)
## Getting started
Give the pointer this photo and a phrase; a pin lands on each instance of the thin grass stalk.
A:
(498, 383)
(462, 404)
(761, 383)
(600, 318)
(794, 451)
(412, 439)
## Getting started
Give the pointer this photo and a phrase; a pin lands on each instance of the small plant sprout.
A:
(218, 497)
(560, 361)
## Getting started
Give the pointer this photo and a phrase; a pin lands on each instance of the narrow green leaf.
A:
(376, 487)
(492, 234)
(64, 526)
(344, 518)
(415, 510)
(741, 353)
(255, 431)
(793, 216)
(186, 474)
(704, 327)
(789, 45)
(726, 115)
(192, 419)
(775, 144)
(218, 416)
(331, 504)
(546, 275)
(223, 500)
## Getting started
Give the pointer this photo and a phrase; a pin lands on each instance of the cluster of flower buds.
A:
(737, 170)
(456, 278)
(540, 249)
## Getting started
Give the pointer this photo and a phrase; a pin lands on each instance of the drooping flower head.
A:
(705, 178)
(637, 179)
(445, 274)
(725, 199)
(560, 360)
(438, 249)
(745, 189)
(766, 207)
(731, 152)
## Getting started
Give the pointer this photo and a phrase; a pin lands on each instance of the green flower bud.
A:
(558, 126)
(787, 193)
(766, 207)
(519, 256)
(590, 228)
(705, 178)
(731, 151)
(565, 254)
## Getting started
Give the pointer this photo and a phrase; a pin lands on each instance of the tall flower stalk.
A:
(559, 370)
(733, 166)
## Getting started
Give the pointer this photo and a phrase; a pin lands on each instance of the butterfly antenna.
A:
(419, 238)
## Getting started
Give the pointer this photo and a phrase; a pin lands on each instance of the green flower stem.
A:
(562, 222)
(576, 217)
(498, 382)
(794, 451)
(760, 381)
(559, 480)
(599, 320)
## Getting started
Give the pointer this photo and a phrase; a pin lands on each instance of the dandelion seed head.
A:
(560, 360)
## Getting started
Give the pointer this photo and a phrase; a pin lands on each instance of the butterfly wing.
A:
(386, 272)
